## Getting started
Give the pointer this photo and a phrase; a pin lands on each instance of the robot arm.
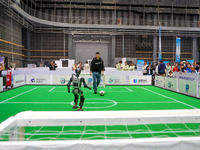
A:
(85, 85)
(69, 83)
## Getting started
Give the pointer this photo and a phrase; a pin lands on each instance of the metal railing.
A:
(106, 21)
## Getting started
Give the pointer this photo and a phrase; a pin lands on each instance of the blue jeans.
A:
(96, 80)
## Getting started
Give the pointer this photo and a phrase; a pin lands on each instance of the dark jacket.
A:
(149, 71)
(161, 68)
(52, 67)
(97, 65)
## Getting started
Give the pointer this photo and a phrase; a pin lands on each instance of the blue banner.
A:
(191, 62)
(160, 52)
(165, 62)
(140, 64)
(178, 49)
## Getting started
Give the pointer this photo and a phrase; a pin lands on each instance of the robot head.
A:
(78, 72)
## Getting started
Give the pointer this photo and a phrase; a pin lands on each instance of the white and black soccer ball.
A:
(102, 93)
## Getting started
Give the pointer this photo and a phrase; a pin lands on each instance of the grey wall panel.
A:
(85, 51)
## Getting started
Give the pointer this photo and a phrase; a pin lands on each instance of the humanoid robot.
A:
(76, 83)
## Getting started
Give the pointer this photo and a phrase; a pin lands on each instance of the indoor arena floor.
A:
(116, 98)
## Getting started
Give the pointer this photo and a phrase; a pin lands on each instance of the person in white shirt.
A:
(132, 67)
(145, 68)
(126, 67)
(119, 66)
(86, 66)
(169, 68)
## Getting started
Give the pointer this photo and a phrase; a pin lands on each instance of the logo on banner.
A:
(90, 81)
(135, 80)
(170, 84)
(139, 80)
(38, 80)
(18, 81)
(32, 80)
(62, 80)
(114, 80)
(187, 87)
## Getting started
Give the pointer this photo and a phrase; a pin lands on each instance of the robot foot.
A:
(80, 110)
(75, 107)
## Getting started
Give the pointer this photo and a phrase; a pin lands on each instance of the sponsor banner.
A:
(38, 79)
(140, 80)
(159, 81)
(186, 76)
(140, 64)
(115, 80)
(18, 80)
(188, 87)
(178, 49)
(1, 60)
(61, 79)
(89, 79)
(1, 84)
(199, 89)
(198, 95)
(171, 83)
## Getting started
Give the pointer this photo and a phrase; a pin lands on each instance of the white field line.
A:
(52, 89)
(18, 95)
(169, 98)
(112, 133)
(128, 89)
(87, 102)
(92, 91)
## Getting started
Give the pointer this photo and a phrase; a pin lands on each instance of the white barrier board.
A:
(171, 83)
(18, 80)
(159, 81)
(61, 79)
(38, 79)
(140, 80)
(188, 87)
(89, 79)
(1, 84)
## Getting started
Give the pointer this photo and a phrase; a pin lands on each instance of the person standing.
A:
(169, 68)
(149, 69)
(175, 69)
(97, 69)
(132, 67)
(126, 67)
(119, 66)
(86, 66)
(1, 69)
(161, 68)
(145, 68)
(52, 66)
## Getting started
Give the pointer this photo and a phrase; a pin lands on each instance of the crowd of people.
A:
(161, 69)
(125, 67)
(167, 70)
(80, 65)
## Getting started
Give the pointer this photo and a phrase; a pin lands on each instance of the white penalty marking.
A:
(169, 98)
(18, 95)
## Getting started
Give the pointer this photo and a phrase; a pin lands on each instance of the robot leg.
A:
(75, 92)
(82, 99)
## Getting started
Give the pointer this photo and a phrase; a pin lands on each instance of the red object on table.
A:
(9, 78)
